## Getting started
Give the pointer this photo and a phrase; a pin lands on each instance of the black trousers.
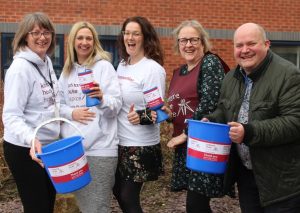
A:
(34, 186)
(197, 203)
(288, 206)
(248, 191)
(249, 197)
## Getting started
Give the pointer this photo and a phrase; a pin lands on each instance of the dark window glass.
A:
(290, 50)
(109, 44)
(58, 55)
(7, 53)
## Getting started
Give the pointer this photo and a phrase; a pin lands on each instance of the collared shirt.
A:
(242, 149)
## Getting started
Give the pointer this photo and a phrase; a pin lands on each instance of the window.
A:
(7, 53)
(289, 50)
(58, 55)
(109, 44)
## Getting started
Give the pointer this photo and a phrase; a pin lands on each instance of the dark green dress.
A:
(208, 89)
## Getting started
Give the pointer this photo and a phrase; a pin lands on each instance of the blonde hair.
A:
(27, 24)
(198, 27)
(71, 53)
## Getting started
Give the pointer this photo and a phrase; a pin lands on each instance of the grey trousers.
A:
(96, 196)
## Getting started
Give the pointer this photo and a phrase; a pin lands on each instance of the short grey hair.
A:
(259, 28)
(203, 34)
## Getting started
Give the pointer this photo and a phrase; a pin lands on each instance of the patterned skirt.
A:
(210, 185)
(140, 163)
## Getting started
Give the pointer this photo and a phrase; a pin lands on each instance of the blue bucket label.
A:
(69, 171)
(208, 150)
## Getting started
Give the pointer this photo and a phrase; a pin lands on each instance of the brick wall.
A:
(218, 14)
(279, 15)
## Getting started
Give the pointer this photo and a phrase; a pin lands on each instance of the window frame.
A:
(288, 44)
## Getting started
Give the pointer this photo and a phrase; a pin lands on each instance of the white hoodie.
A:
(29, 100)
(100, 135)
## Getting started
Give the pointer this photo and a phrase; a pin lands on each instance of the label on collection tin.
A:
(86, 80)
(208, 150)
(153, 98)
(69, 171)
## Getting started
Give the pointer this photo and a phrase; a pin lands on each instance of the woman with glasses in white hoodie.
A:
(30, 97)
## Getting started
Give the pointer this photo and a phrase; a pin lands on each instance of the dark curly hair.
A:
(152, 46)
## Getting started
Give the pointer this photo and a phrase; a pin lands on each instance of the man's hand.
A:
(236, 132)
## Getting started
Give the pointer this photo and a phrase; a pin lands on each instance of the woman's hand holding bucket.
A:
(180, 139)
(164, 108)
(96, 92)
(153, 116)
(37, 148)
(167, 110)
(204, 120)
(83, 115)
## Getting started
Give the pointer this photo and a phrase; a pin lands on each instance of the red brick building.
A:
(280, 18)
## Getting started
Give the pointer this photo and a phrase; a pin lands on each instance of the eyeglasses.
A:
(35, 34)
(134, 33)
(184, 41)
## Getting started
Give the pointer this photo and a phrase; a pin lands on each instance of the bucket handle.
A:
(50, 121)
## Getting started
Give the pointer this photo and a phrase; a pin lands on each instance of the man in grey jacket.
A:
(260, 100)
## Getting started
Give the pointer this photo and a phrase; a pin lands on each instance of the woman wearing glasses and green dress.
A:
(30, 97)
(194, 91)
(140, 157)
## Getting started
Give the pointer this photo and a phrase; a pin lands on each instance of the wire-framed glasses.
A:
(133, 33)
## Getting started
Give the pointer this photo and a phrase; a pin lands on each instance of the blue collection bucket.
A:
(86, 79)
(155, 102)
(65, 161)
(208, 147)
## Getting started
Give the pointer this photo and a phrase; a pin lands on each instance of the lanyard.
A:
(38, 69)
(49, 83)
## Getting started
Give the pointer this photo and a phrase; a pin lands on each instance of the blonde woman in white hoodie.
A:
(98, 123)
(31, 97)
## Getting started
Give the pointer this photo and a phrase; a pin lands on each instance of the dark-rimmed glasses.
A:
(36, 34)
(184, 41)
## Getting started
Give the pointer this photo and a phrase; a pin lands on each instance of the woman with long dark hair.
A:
(140, 157)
